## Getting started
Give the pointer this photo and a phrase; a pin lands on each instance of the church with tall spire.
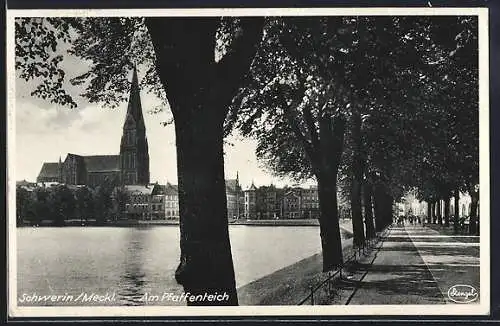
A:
(134, 153)
(129, 167)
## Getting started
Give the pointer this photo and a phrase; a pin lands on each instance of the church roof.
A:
(102, 163)
(49, 170)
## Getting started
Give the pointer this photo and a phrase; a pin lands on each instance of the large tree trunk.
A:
(378, 197)
(439, 212)
(367, 194)
(199, 91)
(357, 217)
(473, 227)
(447, 211)
(206, 264)
(331, 132)
(429, 211)
(356, 181)
(456, 216)
(434, 214)
(331, 243)
(388, 209)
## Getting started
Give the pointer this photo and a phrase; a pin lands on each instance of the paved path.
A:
(417, 265)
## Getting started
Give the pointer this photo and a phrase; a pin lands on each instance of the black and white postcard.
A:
(244, 162)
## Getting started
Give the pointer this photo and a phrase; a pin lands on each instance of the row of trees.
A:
(59, 204)
(372, 101)
(374, 105)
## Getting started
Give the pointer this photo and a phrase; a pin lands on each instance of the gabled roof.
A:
(293, 193)
(252, 187)
(232, 184)
(49, 170)
(172, 189)
(168, 189)
(102, 163)
(24, 183)
(139, 189)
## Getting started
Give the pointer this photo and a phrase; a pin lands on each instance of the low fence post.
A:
(312, 296)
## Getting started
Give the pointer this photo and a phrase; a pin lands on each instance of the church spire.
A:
(134, 108)
(134, 153)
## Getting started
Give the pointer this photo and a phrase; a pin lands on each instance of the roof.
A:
(168, 189)
(252, 187)
(25, 183)
(232, 184)
(139, 190)
(102, 163)
(172, 188)
(292, 192)
(49, 170)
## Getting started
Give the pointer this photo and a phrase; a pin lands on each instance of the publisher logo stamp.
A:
(462, 293)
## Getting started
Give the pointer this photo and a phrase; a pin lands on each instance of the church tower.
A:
(134, 153)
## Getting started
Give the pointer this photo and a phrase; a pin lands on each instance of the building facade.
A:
(171, 202)
(270, 202)
(144, 202)
(292, 204)
(234, 198)
(129, 167)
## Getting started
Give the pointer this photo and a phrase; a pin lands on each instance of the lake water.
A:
(131, 261)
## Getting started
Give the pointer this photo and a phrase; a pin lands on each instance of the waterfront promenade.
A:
(418, 265)
(412, 265)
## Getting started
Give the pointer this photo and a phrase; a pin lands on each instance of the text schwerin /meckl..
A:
(84, 297)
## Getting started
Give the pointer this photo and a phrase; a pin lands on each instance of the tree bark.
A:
(206, 264)
(329, 223)
(473, 227)
(434, 214)
(378, 197)
(456, 215)
(447, 211)
(367, 194)
(388, 209)
(331, 141)
(356, 181)
(439, 213)
(199, 91)
(429, 211)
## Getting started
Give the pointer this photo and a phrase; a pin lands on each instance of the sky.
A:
(45, 131)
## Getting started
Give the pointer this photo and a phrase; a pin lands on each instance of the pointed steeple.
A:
(134, 108)
(134, 153)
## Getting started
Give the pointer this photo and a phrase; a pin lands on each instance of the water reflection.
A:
(133, 279)
(133, 262)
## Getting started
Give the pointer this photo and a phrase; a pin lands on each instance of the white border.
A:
(482, 308)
